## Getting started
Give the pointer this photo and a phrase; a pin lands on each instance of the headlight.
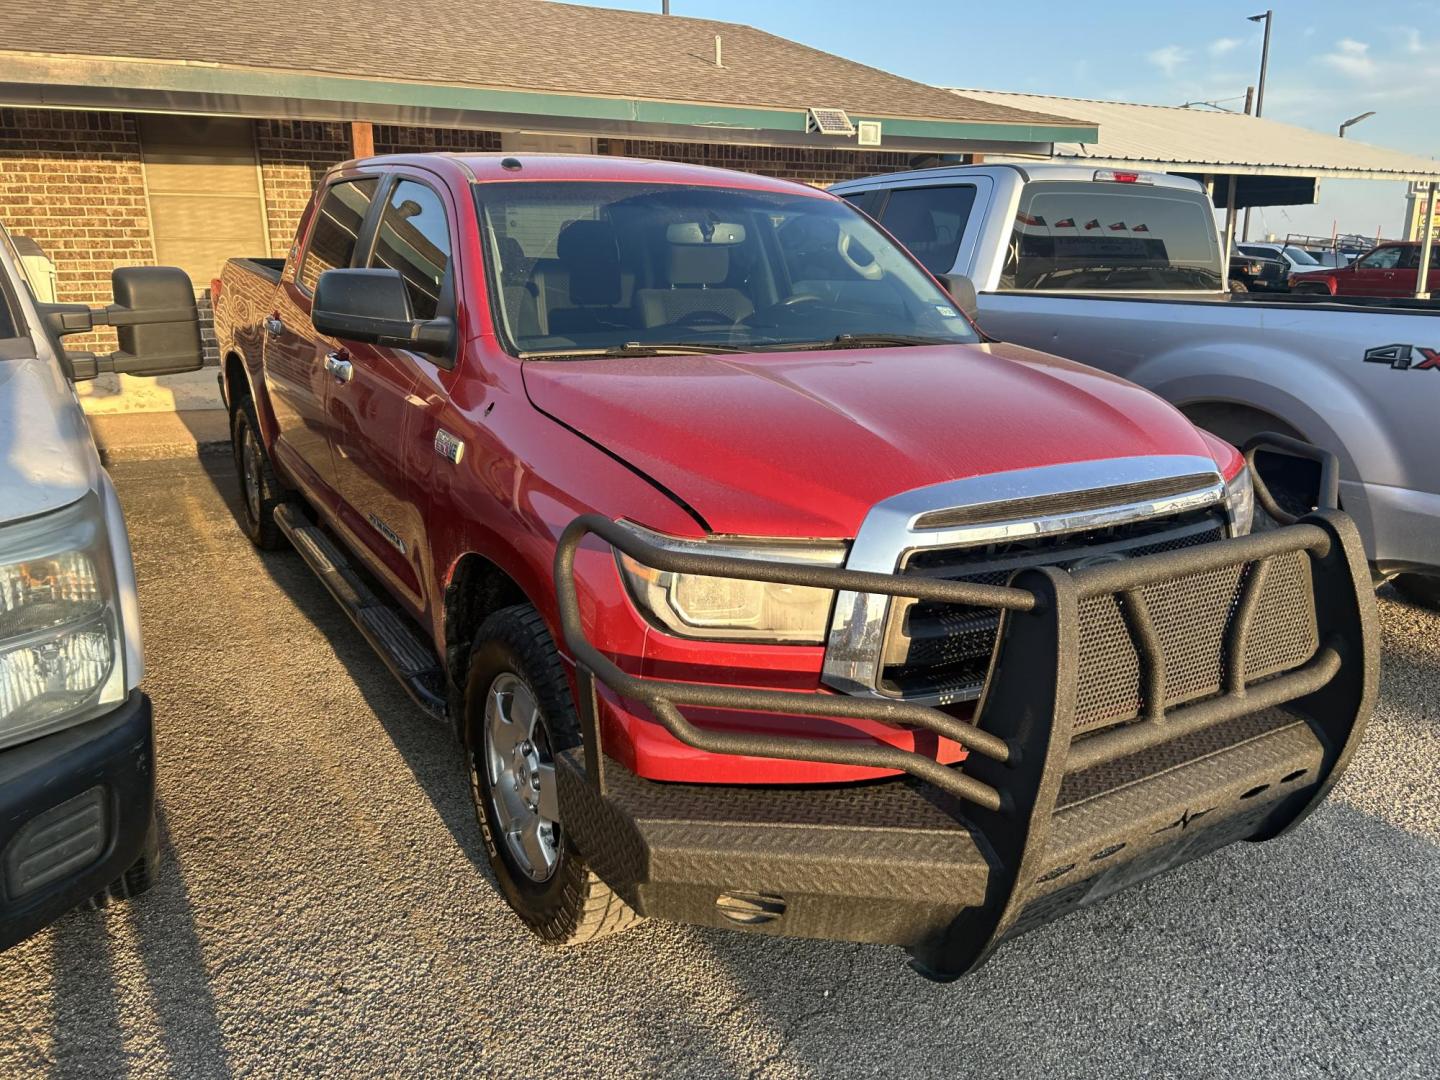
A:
(1240, 502)
(60, 649)
(730, 609)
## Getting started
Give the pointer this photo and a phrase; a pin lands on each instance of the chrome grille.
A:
(942, 653)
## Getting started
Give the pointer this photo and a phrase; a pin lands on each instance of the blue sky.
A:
(1329, 60)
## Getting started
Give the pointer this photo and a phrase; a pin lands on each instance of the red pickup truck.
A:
(763, 591)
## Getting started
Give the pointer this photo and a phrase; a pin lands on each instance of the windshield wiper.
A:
(636, 348)
(860, 341)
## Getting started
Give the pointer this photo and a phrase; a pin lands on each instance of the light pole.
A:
(1267, 19)
(1355, 120)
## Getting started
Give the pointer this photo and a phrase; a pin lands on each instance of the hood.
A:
(803, 444)
(47, 457)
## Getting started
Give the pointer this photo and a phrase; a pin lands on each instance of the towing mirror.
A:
(373, 306)
(962, 291)
(155, 319)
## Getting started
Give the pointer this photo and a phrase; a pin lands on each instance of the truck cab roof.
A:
(513, 167)
(1027, 171)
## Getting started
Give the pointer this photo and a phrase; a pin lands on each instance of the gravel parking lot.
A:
(325, 907)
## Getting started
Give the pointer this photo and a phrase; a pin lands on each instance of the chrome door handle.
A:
(338, 366)
(273, 326)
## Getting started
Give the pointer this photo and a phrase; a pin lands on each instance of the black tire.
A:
(1423, 590)
(138, 878)
(1292, 481)
(260, 490)
(572, 905)
(1238, 286)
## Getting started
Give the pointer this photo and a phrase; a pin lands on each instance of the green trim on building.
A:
(215, 82)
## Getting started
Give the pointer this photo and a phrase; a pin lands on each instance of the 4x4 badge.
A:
(1404, 357)
(448, 446)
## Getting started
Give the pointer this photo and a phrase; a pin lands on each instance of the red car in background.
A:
(1388, 270)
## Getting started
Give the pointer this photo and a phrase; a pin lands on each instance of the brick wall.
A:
(293, 155)
(390, 139)
(72, 182)
(819, 167)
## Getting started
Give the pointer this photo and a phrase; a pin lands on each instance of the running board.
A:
(388, 631)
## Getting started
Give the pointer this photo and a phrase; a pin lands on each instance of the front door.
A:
(1374, 274)
(373, 409)
(295, 355)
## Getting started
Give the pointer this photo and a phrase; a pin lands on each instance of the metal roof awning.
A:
(1274, 164)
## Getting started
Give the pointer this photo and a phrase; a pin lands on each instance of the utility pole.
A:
(664, 7)
(1267, 19)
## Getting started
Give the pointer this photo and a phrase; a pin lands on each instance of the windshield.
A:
(585, 267)
(1103, 236)
(1301, 257)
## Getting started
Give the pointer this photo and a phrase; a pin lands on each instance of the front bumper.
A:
(1053, 808)
(75, 812)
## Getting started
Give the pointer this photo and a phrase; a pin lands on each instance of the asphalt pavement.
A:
(325, 908)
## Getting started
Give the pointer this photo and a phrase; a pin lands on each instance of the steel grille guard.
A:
(1020, 745)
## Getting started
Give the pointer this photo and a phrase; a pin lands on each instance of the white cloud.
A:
(1412, 43)
(1168, 59)
(1221, 46)
(1352, 58)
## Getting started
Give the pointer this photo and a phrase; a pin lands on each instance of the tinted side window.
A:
(414, 239)
(930, 222)
(8, 323)
(869, 201)
(337, 227)
(1382, 259)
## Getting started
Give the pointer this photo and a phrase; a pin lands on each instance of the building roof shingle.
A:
(530, 45)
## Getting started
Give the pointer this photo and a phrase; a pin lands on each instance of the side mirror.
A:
(155, 318)
(373, 306)
(962, 291)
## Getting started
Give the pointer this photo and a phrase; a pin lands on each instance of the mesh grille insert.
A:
(1192, 617)
(943, 651)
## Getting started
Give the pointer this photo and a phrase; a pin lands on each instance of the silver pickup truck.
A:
(1123, 271)
(77, 774)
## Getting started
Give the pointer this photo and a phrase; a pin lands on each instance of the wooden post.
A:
(362, 138)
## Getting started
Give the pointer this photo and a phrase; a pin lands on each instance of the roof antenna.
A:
(719, 62)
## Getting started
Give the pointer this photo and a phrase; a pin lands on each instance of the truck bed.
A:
(270, 269)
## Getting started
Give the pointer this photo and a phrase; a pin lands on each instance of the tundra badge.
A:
(448, 446)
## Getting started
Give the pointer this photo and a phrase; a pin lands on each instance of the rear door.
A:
(931, 221)
(295, 355)
(375, 413)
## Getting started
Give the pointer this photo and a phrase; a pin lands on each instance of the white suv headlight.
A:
(731, 609)
(1240, 502)
(61, 655)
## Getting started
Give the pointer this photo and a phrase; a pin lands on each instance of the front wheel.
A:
(519, 715)
(139, 877)
(1420, 589)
